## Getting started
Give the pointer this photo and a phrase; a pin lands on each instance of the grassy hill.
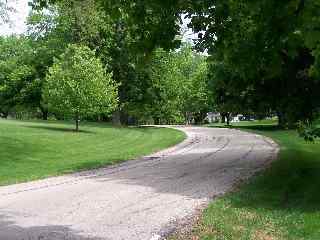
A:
(32, 150)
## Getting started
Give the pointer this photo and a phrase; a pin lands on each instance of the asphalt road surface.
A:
(140, 199)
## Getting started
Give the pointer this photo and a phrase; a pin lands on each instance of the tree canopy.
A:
(77, 85)
(17, 74)
(270, 49)
(263, 57)
(178, 86)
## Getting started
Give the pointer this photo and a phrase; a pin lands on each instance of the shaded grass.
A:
(33, 150)
(253, 125)
(281, 203)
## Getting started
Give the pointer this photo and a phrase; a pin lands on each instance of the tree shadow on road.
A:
(284, 200)
(191, 172)
(9, 230)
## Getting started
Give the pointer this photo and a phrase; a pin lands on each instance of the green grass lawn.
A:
(34, 150)
(247, 124)
(281, 203)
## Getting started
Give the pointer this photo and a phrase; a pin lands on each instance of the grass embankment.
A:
(34, 150)
(281, 203)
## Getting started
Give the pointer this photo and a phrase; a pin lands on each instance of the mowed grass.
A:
(247, 124)
(283, 202)
(34, 150)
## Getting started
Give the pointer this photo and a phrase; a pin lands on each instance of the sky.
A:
(17, 18)
(18, 21)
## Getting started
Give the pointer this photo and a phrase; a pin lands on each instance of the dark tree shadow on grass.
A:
(260, 127)
(60, 129)
(252, 127)
(291, 185)
(146, 127)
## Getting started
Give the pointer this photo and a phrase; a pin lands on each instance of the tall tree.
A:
(270, 46)
(137, 28)
(16, 72)
(53, 28)
(179, 86)
(78, 86)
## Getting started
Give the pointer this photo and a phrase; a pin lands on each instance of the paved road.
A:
(140, 199)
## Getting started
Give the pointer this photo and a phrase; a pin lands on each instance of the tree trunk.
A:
(44, 112)
(228, 119)
(116, 118)
(199, 117)
(281, 122)
(77, 123)
(124, 118)
(5, 114)
(223, 119)
(156, 120)
(45, 115)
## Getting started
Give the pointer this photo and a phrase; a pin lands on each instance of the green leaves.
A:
(315, 69)
(16, 71)
(308, 131)
(265, 55)
(268, 47)
(78, 85)
(179, 85)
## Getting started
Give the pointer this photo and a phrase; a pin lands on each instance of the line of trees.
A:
(264, 56)
(85, 59)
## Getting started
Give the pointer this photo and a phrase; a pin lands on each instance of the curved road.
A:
(140, 199)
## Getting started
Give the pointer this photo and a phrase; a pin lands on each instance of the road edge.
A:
(184, 226)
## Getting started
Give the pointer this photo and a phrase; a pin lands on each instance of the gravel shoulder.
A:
(139, 199)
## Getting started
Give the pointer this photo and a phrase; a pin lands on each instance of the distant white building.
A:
(213, 117)
(237, 118)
